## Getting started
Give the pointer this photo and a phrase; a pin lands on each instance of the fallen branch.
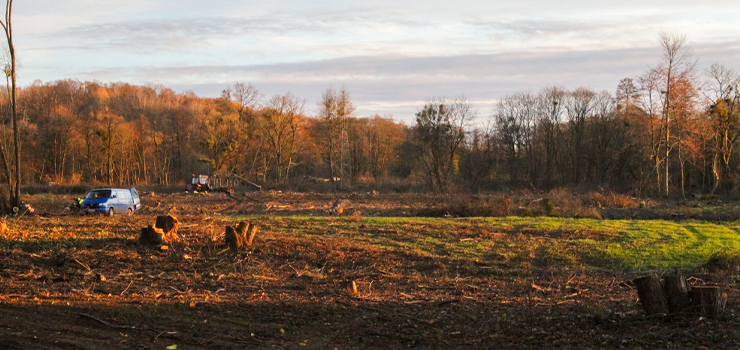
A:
(83, 265)
(445, 302)
(129, 286)
(105, 323)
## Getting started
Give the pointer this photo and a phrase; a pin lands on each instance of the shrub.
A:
(616, 200)
(67, 189)
(466, 206)
(547, 207)
(588, 213)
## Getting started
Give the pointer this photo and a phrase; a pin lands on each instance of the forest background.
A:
(671, 130)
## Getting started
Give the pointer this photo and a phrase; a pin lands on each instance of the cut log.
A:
(651, 295)
(707, 300)
(152, 235)
(167, 223)
(676, 293)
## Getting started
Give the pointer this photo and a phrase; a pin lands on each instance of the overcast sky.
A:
(390, 55)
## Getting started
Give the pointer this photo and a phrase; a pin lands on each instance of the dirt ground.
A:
(83, 282)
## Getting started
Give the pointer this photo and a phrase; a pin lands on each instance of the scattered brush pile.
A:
(558, 202)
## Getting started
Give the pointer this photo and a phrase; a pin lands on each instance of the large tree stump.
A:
(651, 295)
(339, 206)
(168, 224)
(164, 228)
(152, 235)
(240, 236)
(707, 300)
(677, 293)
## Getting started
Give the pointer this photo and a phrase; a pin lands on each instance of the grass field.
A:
(628, 245)
(506, 282)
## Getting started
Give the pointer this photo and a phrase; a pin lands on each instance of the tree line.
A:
(670, 130)
(117, 134)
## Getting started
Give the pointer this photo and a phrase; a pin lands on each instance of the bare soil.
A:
(83, 282)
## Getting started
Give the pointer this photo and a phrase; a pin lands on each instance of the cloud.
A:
(398, 85)
(148, 35)
(391, 55)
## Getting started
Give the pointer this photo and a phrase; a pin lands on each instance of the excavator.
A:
(200, 183)
(219, 182)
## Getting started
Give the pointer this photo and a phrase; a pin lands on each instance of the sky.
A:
(390, 55)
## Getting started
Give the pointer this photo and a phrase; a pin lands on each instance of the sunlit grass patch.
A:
(549, 242)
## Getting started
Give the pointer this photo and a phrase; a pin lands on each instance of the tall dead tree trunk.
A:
(10, 72)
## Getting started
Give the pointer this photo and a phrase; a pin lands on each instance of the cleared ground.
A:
(83, 282)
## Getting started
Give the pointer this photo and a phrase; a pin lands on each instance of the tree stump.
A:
(231, 238)
(251, 232)
(151, 235)
(168, 224)
(339, 206)
(351, 287)
(707, 300)
(677, 293)
(651, 295)
(240, 236)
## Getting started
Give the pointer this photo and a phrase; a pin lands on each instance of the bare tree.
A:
(723, 98)
(550, 116)
(578, 105)
(650, 103)
(278, 124)
(245, 95)
(335, 108)
(677, 67)
(10, 73)
(439, 133)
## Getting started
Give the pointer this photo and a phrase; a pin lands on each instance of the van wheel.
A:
(130, 212)
(110, 212)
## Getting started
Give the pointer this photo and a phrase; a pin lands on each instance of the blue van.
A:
(111, 201)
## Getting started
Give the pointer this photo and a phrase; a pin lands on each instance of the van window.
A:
(97, 194)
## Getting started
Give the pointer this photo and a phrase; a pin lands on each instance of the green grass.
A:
(546, 242)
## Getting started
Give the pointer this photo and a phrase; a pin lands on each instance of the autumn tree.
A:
(221, 135)
(384, 135)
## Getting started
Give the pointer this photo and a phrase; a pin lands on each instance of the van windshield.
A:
(97, 194)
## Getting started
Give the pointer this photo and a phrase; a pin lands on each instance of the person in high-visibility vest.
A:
(78, 202)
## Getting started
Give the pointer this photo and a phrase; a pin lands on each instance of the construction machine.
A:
(200, 183)
(219, 183)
